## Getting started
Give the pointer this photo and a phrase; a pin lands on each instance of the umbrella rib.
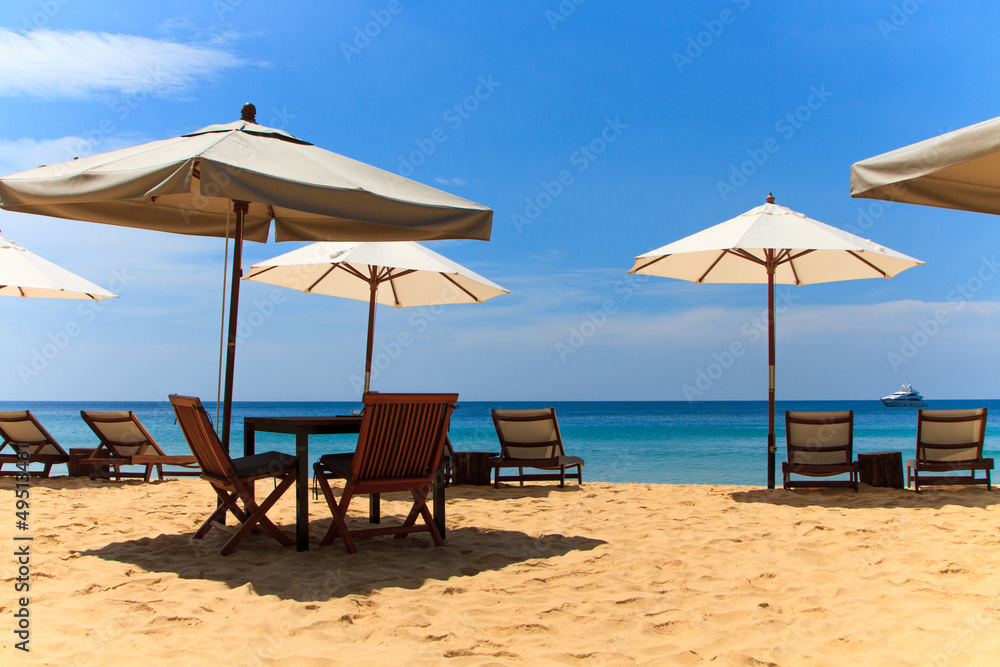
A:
(392, 284)
(874, 268)
(709, 270)
(453, 282)
(744, 254)
(796, 256)
(351, 270)
(650, 263)
(321, 278)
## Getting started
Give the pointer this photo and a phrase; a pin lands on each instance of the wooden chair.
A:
(531, 439)
(126, 442)
(229, 476)
(399, 449)
(949, 441)
(820, 444)
(22, 432)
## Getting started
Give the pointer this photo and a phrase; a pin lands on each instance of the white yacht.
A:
(906, 397)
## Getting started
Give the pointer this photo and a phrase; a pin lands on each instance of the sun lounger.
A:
(124, 441)
(22, 433)
(820, 444)
(531, 439)
(949, 441)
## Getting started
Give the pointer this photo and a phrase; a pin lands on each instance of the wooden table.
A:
(301, 428)
(883, 469)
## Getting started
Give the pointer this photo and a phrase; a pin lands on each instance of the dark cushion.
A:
(337, 464)
(263, 464)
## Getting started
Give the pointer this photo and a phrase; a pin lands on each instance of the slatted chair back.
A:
(820, 438)
(22, 432)
(201, 437)
(950, 436)
(528, 434)
(121, 433)
(402, 435)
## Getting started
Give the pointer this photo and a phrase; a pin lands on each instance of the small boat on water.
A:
(906, 397)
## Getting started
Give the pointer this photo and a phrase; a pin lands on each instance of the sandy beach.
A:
(599, 574)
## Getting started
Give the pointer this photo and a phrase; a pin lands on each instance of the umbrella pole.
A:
(373, 285)
(240, 208)
(771, 449)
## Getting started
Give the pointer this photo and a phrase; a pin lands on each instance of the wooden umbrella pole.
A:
(771, 449)
(240, 208)
(373, 285)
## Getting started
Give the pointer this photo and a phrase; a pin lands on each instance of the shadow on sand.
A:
(870, 496)
(329, 572)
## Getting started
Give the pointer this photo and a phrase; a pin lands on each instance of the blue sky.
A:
(596, 130)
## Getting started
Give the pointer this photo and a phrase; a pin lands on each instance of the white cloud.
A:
(52, 64)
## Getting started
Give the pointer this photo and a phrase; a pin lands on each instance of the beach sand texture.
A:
(600, 574)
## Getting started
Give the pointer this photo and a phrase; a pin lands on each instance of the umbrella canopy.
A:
(409, 274)
(958, 170)
(191, 185)
(23, 273)
(772, 244)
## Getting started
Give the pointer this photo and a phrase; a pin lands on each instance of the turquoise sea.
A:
(718, 442)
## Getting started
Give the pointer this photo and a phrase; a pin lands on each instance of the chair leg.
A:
(226, 504)
(339, 526)
(45, 473)
(562, 477)
(420, 509)
(258, 515)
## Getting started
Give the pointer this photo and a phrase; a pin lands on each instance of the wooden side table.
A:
(883, 469)
(471, 468)
(77, 468)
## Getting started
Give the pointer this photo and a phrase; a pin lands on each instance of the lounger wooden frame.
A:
(219, 470)
(531, 439)
(124, 441)
(399, 449)
(21, 431)
(949, 441)
(820, 444)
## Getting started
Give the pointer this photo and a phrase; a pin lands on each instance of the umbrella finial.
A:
(770, 198)
(249, 113)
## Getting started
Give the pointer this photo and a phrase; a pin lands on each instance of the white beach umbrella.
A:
(774, 245)
(408, 273)
(25, 274)
(194, 184)
(958, 170)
